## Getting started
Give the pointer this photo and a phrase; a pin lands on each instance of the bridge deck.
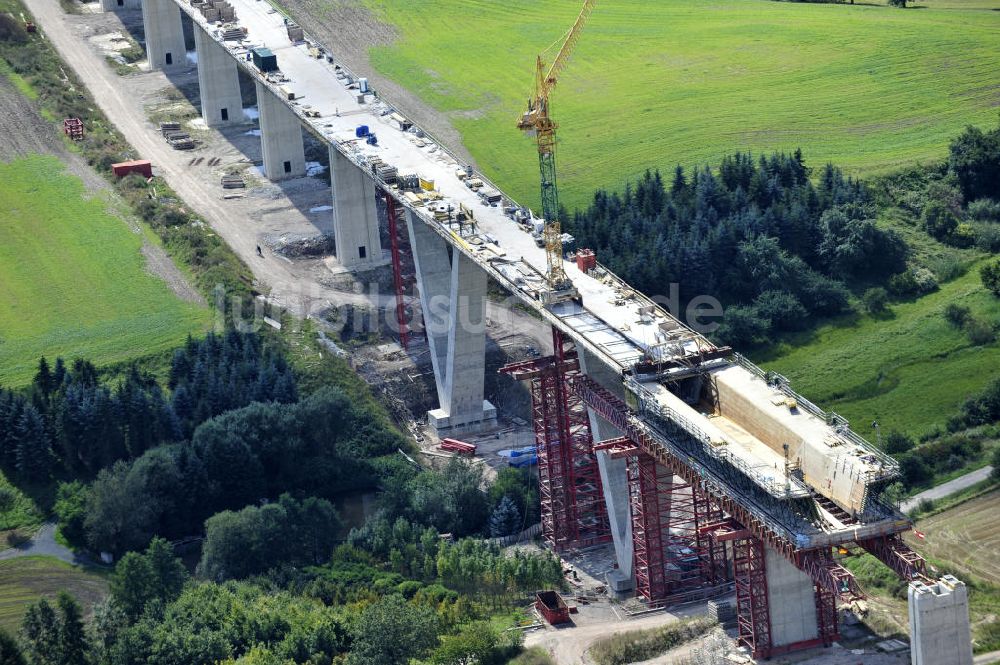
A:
(620, 326)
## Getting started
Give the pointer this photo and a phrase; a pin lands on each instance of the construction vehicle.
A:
(536, 120)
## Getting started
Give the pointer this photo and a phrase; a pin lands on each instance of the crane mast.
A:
(537, 120)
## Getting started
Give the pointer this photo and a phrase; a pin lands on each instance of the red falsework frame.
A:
(753, 614)
(572, 496)
(403, 273)
(673, 554)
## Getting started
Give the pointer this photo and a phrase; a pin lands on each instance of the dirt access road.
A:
(569, 646)
(115, 95)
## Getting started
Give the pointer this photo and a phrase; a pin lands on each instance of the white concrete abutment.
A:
(452, 297)
(939, 623)
(218, 82)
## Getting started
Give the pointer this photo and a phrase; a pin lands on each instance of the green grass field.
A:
(23, 512)
(909, 371)
(73, 278)
(653, 84)
(26, 579)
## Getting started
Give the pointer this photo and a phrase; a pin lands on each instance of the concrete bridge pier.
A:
(218, 82)
(792, 603)
(280, 137)
(161, 21)
(452, 297)
(355, 215)
(111, 5)
(614, 478)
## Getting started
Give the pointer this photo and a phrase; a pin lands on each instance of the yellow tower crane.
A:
(537, 120)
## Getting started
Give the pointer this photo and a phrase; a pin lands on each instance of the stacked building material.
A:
(383, 171)
(233, 33)
(233, 182)
(723, 612)
(586, 260)
(176, 137)
(295, 32)
(456, 446)
(215, 10)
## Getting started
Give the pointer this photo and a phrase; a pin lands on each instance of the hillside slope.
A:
(655, 84)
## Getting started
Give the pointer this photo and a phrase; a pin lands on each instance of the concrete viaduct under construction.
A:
(704, 471)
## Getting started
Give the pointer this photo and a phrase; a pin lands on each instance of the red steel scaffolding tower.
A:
(572, 497)
(403, 270)
(675, 558)
(684, 527)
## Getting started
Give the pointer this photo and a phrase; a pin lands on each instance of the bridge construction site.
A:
(703, 471)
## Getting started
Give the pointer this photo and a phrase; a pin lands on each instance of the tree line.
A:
(757, 234)
(69, 420)
(318, 447)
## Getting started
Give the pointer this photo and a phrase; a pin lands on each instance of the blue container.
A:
(521, 462)
(361, 131)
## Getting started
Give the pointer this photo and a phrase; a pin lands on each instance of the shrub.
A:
(914, 470)
(925, 279)
(782, 309)
(924, 506)
(876, 300)
(917, 281)
(979, 332)
(984, 210)
(963, 236)
(975, 161)
(533, 656)
(742, 326)
(987, 236)
(71, 508)
(903, 284)
(7, 498)
(17, 537)
(990, 274)
(897, 442)
(11, 30)
(957, 315)
(938, 220)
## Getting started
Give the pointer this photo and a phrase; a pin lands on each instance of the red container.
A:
(551, 606)
(586, 260)
(141, 166)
